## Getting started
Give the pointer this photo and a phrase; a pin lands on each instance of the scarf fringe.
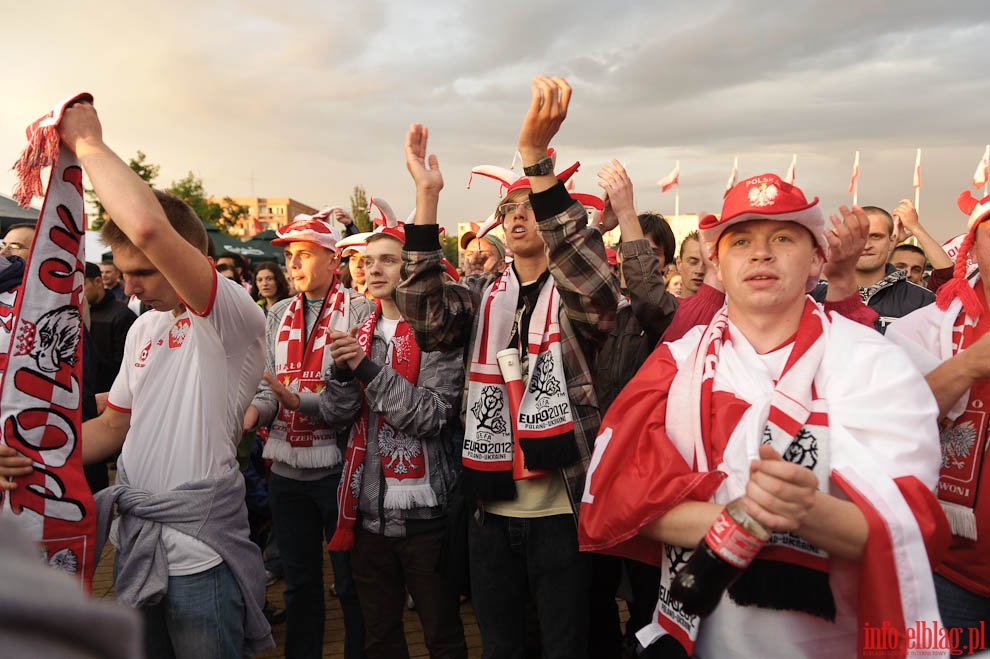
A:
(342, 540)
(410, 497)
(550, 452)
(488, 485)
(962, 520)
(41, 152)
(304, 457)
(785, 587)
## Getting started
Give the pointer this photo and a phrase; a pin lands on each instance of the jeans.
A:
(965, 610)
(201, 617)
(383, 569)
(305, 517)
(515, 558)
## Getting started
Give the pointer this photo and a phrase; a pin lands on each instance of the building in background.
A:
(265, 213)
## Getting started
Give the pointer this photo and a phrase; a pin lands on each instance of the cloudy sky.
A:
(312, 98)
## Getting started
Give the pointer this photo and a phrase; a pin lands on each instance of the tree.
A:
(450, 250)
(146, 170)
(359, 209)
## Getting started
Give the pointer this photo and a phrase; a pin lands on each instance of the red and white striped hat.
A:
(307, 228)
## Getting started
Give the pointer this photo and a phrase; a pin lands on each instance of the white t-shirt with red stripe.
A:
(186, 381)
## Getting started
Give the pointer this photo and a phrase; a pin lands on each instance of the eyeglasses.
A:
(12, 246)
(512, 207)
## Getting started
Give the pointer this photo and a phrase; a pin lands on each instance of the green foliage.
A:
(449, 245)
(146, 170)
(223, 216)
(359, 209)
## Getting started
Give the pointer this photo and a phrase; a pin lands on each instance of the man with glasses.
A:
(17, 241)
(554, 305)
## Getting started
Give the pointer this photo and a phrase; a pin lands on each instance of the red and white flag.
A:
(789, 177)
(731, 183)
(917, 171)
(855, 175)
(982, 172)
(670, 180)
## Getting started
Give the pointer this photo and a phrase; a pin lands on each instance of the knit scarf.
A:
(789, 573)
(296, 439)
(964, 439)
(545, 423)
(404, 459)
(40, 384)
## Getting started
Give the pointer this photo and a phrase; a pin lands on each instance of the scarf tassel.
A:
(962, 520)
(550, 452)
(41, 152)
(785, 587)
(342, 540)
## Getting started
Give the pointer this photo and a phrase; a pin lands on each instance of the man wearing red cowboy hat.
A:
(819, 425)
(305, 452)
(949, 342)
(550, 309)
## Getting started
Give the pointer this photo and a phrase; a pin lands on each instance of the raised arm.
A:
(652, 305)
(440, 314)
(134, 208)
(907, 215)
(589, 293)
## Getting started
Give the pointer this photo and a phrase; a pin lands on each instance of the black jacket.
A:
(638, 323)
(892, 297)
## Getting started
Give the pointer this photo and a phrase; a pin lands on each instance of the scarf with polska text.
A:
(41, 388)
(297, 439)
(789, 573)
(545, 423)
(404, 459)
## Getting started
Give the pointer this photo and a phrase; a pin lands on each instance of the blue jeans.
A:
(305, 517)
(965, 610)
(513, 559)
(201, 616)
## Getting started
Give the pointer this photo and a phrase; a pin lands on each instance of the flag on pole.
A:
(917, 182)
(789, 178)
(982, 170)
(731, 183)
(917, 171)
(670, 180)
(855, 175)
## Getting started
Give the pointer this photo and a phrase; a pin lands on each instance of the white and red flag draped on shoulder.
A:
(671, 179)
(789, 177)
(41, 381)
(982, 172)
(731, 183)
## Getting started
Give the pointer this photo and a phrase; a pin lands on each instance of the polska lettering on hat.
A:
(765, 197)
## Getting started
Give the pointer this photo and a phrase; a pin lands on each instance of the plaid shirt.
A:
(444, 316)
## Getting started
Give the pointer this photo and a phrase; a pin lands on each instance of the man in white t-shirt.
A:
(188, 373)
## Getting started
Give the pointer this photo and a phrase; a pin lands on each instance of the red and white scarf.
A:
(964, 438)
(297, 439)
(655, 426)
(404, 460)
(545, 423)
(41, 388)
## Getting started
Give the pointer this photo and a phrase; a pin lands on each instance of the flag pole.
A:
(855, 189)
(986, 186)
(917, 182)
(677, 190)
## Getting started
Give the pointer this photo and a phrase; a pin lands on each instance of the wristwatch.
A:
(542, 167)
